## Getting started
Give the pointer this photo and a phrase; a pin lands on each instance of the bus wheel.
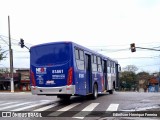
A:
(64, 97)
(95, 92)
(110, 91)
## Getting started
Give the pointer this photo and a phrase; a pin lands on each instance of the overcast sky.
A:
(110, 25)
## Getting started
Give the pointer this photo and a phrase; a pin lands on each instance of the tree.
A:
(128, 78)
(143, 78)
(130, 68)
(143, 75)
(2, 54)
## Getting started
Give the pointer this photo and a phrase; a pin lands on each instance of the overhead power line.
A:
(14, 41)
(150, 65)
(20, 51)
(157, 47)
(152, 57)
(112, 45)
(21, 57)
(148, 48)
(4, 40)
(111, 50)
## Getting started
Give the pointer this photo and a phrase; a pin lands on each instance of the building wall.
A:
(25, 79)
(5, 81)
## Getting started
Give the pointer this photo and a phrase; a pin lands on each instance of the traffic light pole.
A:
(26, 47)
(147, 48)
(133, 48)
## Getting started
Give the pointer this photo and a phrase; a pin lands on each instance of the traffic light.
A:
(22, 43)
(133, 48)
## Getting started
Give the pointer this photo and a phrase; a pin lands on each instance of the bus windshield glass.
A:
(50, 54)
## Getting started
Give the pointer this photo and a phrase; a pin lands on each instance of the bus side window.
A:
(99, 64)
(114, 67)
(111, 66)
(77, 54)
(103, 67)
(81, 54)
(108, 67)
(92, 59)
(94, 63)
(79, 59)
(95, 59)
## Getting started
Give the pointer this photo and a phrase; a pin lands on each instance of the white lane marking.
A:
(7, 103)
(15, 93)
(46, 107)
(46, 100)
(68, 107)
(113, 107)
(30, 106)
(16, 105)
(88, 109)
(60, 111)
(142, 109)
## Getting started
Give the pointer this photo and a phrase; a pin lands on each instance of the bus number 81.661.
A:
(57, 71)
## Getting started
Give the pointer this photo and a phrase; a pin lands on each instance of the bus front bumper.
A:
(53, 90)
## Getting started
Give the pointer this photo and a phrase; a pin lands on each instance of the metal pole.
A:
(11, 58)
(147, 48)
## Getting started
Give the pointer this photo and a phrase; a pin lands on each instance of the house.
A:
(25, 79)
(20, 77)
(5, 81)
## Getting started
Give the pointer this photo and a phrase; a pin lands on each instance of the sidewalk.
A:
(16, 91)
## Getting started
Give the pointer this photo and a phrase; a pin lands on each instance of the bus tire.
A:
(110, 91)
(95, 91)
(64, 97)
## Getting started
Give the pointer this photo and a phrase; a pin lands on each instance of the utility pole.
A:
(11, 58)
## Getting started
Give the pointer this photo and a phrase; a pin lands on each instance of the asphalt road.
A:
(118, 106)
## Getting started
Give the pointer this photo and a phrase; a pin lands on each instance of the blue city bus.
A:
(66, 69)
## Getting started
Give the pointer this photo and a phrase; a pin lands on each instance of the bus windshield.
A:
(50, 54)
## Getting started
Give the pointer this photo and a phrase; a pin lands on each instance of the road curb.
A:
(15, 92)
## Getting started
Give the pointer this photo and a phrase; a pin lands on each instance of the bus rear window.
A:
(50, 54)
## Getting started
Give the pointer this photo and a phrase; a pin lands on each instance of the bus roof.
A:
(49, 43)
(80, 46)
(94, 52)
